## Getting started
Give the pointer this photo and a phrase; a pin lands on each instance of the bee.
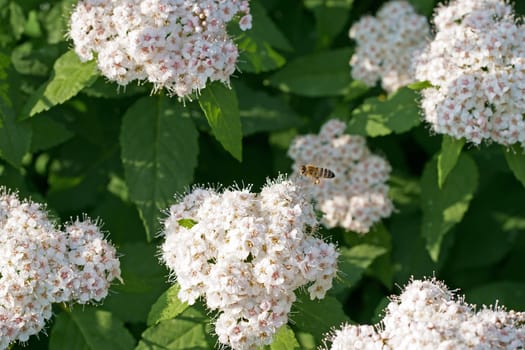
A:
(316, 172)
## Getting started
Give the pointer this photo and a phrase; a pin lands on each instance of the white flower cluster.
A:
(246, 254)
(427, 315)
(41, 265)
(386, 45)
(358, 196)
(175, 44)
(476, 65)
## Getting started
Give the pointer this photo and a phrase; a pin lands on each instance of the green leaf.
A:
(443, 208)
(190, 330)
(284, 340)
(330, 19)
(346, 4)
(32, 26)
(317, 317)
(15, 136)
(260, 111)
(448, 157)
(220, 106)
(89, 329)
(420, 85)
(424, 7)
(187, 223)
(144, 282)
(508, 293)
(159, 153)
(317, 75)
(167, 306)
(68, 78)
(409, 255)
(379, 117)
(354, 261)
(516, 160)
(256, 46)
(48, 133)
(17, 19)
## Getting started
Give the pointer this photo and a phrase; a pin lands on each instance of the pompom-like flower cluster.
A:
(476, 65)
(427, 315)
(246, 254)
(386, 45)
(357, 197)
(174, 44)
(40, 265)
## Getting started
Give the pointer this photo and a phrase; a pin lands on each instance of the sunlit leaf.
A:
(379, 117)
(68, 78)
(448, 157)
(167, 306)
(220, 106)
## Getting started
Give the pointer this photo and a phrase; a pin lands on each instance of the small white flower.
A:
(386, 45)
(41, 265)
(477, 87)
(427, 315)
(246, 254)
(176, 45)
(357, 197)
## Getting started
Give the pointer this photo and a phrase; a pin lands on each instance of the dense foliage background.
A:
(82, 145)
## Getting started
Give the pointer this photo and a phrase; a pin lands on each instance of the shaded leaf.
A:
(47, 133)
(330, 19)
(508, 293)
(167, 306)
(68, 78)
(159, 153)
(190, 330)
(256, 45)
(260, 111)
(516, 160)
(448, 157)
(89, 329)
(220, 106)
(354, 261)
(378, 117)
(317, 317)
(144, 282)
(320, 74)
(15, 136)
(443, 208)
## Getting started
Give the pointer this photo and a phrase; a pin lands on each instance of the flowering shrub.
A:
(41, 265)
(476, 67)
(387, 44)
(235, 92)
(176, 45)
(247, 253)
(357, 197)
(427, 315)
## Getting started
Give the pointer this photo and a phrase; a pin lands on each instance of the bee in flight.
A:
(316, 173)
